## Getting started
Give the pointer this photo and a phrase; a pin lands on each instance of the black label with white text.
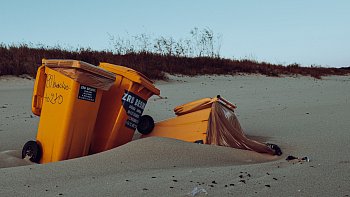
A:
(134, 106)
(87, 93)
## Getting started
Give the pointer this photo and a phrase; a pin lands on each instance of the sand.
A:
(306, 117)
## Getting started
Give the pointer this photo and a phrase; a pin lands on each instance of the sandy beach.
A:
(304, 116)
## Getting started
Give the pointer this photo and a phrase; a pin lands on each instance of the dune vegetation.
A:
(154, 57)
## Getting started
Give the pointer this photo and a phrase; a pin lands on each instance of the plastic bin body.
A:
(210, 121)
(189, 127)
(121, 107)
(68, 111)
(191, 122)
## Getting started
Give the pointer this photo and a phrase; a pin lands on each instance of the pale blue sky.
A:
(277, 31)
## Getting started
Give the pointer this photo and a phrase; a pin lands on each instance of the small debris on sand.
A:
(243, 181)
(197, 190)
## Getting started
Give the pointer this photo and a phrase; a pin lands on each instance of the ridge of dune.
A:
(155, 153)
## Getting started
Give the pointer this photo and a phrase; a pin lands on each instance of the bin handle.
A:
(38, 92)
(230, 105)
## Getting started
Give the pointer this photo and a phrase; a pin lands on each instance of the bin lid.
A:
(82, 72)
(194, 106)
(201, 104)
(132, 75)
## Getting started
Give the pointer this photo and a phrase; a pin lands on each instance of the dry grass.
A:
(23, 59)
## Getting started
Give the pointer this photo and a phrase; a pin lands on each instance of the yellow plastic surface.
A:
(38, 92)
(191, 123)
(64, 63)
(79, 71)
(82, 72)
(67, 120)
(110, 129)
(194, 106)
(132, 75)
(188, 127)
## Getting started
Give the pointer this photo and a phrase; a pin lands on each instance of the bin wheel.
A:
(145, 125)
(276, 148)
(32, 150)
(199, 142)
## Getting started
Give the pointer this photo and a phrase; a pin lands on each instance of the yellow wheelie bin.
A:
(121, 108)
(66, 96)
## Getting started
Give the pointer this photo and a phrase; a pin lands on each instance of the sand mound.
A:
(12, 158)
(148, 153)
(137, 158)
(155, 153)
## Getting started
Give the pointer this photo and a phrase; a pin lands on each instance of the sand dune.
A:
(306, 117)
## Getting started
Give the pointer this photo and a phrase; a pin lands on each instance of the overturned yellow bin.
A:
(209, 121)
(66, 96)
(121, 108)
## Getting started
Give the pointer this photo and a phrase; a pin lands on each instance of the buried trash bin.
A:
(66, 96)
(210, 121)
(121, 108)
